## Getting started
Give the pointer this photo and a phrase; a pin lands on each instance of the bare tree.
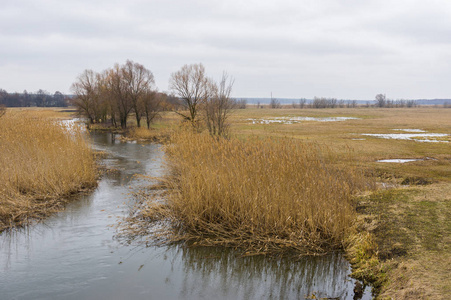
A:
(138, 82)
(151, 102)
(87, 95)
(192, 86)
(381, 100)
(274, 103)
(41, 98)
(116, 87)
(219, 106)
(241, 104)
(302, 102)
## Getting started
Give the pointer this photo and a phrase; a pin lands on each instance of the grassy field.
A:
(42, 163)
(344, 134)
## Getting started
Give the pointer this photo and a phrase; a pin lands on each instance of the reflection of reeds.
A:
(216, 270)
(40, 161)
(261, 195)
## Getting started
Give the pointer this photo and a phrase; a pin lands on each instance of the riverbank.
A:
(43, 162)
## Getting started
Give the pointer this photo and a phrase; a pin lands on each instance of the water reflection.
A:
(216, 272)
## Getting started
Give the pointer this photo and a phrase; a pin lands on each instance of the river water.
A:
(74, 255)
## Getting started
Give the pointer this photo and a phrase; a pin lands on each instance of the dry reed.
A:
(41, 161)
(262, 195)
(144, 134)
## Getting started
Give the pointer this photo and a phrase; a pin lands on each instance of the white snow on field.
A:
(294, 120)
(399, 161)
(410, 130)
(418, 137)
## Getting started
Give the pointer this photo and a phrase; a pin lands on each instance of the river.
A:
(74, 254)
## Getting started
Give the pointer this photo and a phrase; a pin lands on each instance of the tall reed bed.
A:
(262, 195)
(41, 161)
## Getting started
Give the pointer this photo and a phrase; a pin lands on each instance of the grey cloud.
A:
(349, 48)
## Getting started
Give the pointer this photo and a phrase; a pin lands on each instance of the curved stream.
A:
(73, 254)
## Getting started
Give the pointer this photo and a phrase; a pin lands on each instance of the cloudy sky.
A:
(349, 49)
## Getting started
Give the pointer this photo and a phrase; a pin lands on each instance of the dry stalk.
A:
(264, 196)
(41, 163)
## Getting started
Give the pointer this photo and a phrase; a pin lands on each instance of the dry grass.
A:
(407, 250)
(368, 151)
(144, 134)
(411, 228)
(402, 242)
(40, 163)
(263, 196)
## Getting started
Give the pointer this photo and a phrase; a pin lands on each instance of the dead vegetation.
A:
(263, 196)
(401, 242)
(145, 134)
(42, 163)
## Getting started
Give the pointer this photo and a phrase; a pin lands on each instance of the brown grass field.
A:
(41, 164)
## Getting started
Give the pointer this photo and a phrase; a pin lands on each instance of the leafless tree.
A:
(151, 102)
(87, 95)
(381, 100)
(274, 103)
(302, 102)
(241, 104)
(219, 106)
(138, 82)
(351, 103)
(116, 88)
(192, 86)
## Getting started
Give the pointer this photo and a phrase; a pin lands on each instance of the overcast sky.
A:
(349, 49)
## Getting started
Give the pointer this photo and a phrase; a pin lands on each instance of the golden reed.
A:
(261, 195)
(41, 162)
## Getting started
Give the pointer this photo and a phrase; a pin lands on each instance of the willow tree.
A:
(87, 95)
(116, 88)
(152, 105)
(138, 83)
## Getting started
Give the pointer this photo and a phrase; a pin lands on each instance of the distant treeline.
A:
(41, 99)
(324, 102)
